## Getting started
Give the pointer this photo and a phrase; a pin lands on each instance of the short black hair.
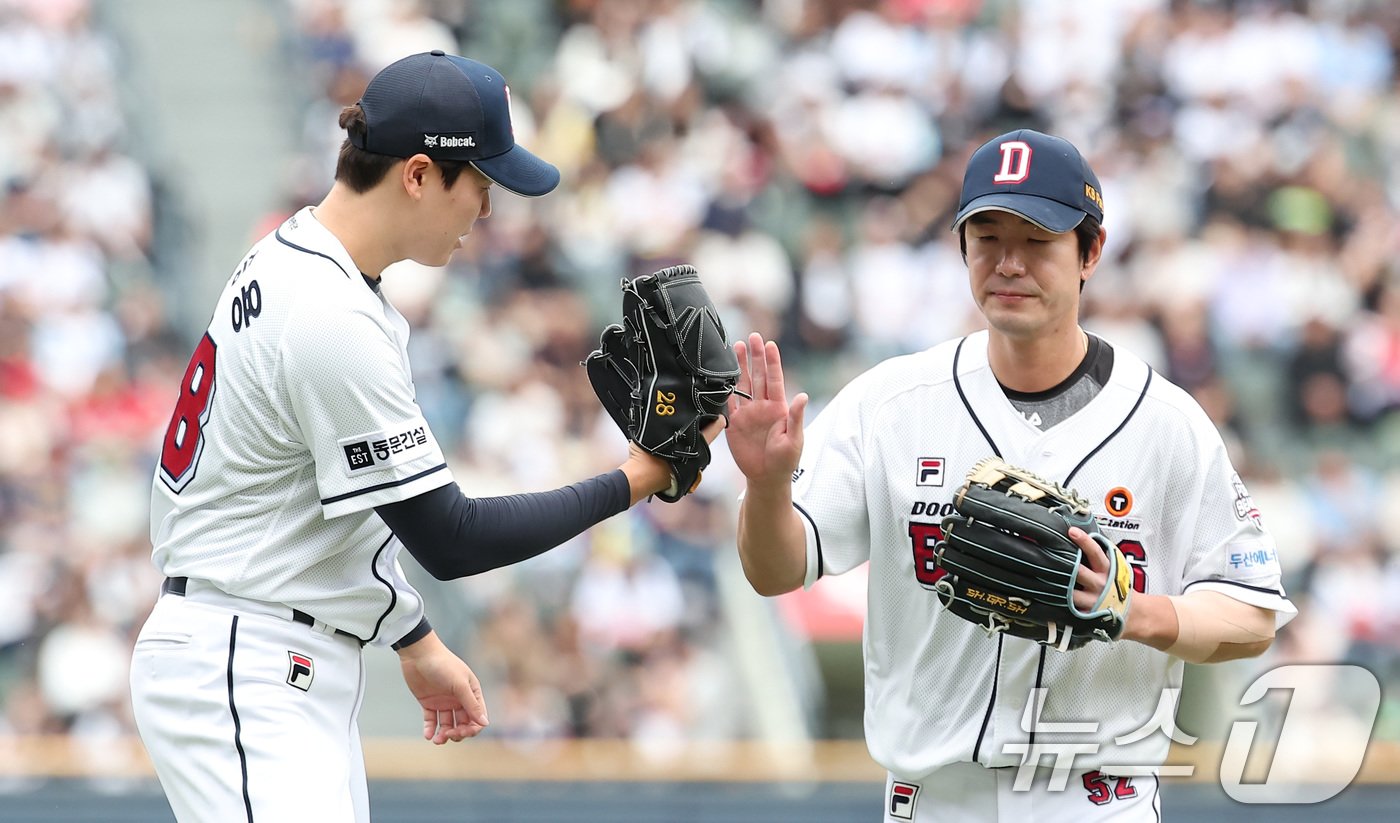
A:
(363, 170)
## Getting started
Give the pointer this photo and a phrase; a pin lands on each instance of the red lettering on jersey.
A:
(1096, 783)
(1137, 558)
(1097, 786)
(184, 437)
(1123, 788)
(926, 537)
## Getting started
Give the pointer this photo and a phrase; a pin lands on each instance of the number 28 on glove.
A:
(1011, 565)
(666, 371)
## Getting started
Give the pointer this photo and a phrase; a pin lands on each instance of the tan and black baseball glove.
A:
(1011, 565)
(666, 371)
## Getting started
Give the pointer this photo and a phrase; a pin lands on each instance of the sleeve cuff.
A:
(418, 633)
(814, 547)
(1264, 598)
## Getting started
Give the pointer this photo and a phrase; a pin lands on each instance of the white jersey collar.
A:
(304, 232)
(1005, 425)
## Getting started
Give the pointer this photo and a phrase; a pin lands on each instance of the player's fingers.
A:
(712, 430)
(444, 728)
(745, 385)
(758, 368)
(1086, 579)
(795, 412)
(1093, 552)
(473, 701)
(773, 364)
(430, 724)
(461, 726)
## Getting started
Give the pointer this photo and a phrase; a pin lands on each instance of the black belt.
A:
(176, 585)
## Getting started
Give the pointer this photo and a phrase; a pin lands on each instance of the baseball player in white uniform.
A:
(297, 464)
(946, 703)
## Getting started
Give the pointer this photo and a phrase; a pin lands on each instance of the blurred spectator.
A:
(1373, 355)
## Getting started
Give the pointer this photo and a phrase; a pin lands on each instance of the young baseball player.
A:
(297, 464)
(951, 709)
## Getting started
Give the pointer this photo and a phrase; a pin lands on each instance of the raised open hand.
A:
(764, 433)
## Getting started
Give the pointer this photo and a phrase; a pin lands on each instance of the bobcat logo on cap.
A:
(430, 140)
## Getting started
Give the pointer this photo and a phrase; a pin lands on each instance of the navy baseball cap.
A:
(1036, 176)
(450, 108)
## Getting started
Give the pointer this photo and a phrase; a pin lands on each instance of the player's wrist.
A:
(415, 636)
(1151, 621)
(769, 493)
(646, 473)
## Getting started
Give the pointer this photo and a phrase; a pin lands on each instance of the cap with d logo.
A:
(450, 108)
(1036, 176)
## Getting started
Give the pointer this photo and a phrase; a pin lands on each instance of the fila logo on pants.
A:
(903, 797)
(300, 671)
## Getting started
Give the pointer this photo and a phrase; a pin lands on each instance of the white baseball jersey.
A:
(296, 417)
(879, 470)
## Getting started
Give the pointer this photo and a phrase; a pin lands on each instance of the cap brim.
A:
(520, 172)
(1051, 215)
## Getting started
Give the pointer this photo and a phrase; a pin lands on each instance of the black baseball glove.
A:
(1011, 565)
(666, 371)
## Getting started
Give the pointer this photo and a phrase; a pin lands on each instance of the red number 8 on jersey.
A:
(184, 437)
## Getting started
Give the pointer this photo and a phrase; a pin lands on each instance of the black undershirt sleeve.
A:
(452, 535)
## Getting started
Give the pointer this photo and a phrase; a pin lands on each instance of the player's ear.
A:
(1092, 256)
(415, 174)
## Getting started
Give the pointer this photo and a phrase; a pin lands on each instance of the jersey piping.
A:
(991, 702)
(284, 241)
(1039, 684)
(379, 487)
(957, 384)
(996, 669)
(1141, 396)
(815, 533)
(393, 594)
(238, 726)
(1260, 589)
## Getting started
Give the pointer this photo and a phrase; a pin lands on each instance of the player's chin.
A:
(1013, 321)
(437, 259)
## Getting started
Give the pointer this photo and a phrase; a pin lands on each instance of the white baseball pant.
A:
(969, 793)
(247, 715)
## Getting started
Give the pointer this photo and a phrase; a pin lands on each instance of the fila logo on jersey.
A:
(930, 471)
(300, 671)
(903, 798)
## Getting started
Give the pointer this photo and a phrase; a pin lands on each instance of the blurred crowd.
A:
(806, 156)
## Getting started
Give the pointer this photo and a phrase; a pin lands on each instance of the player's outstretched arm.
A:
(765, 440)
(446, 688)
(454, 536)
(1198, 627)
